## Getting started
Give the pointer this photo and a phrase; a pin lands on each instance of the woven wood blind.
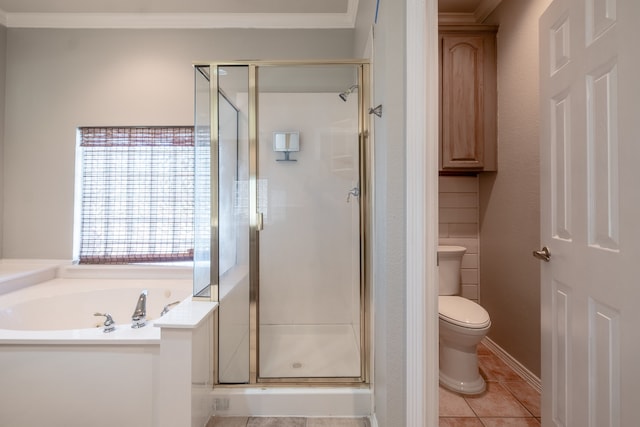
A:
(137, 194)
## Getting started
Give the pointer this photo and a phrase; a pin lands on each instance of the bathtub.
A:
(17, 273)
(58, 367)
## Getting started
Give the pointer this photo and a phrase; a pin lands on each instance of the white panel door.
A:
(590, 201)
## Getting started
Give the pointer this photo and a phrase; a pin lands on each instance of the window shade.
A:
(137, 194)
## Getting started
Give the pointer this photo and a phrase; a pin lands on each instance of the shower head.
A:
(344, 95)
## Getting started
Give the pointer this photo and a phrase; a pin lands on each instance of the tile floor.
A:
(286, 422)
(509, 401)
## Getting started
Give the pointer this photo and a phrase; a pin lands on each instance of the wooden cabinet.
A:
(467, 98)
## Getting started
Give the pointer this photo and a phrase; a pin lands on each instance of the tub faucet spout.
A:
(139, 317)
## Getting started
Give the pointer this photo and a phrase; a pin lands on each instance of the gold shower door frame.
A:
(366, 207)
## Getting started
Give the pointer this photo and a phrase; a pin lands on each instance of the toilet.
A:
(462, 325)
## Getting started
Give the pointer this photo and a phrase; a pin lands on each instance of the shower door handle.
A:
(259, 223)
(355, 192)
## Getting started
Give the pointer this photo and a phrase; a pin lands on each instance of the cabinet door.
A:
(468, 122)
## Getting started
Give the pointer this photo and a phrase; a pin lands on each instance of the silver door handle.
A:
(543, 254)
(355, 192)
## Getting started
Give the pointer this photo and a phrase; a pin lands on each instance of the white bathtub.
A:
(57, 367)
(64, 308)
(19, 273)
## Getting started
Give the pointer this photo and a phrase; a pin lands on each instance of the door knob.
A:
(543, 254)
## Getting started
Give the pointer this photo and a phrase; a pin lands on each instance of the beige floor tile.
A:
(494, 369)
(336, 422)
(453, 405)
(510, 422)
(496, 401)
(276, 422)
(228, 422)
(483, 350)
(527, 395)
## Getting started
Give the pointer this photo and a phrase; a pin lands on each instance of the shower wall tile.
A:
(458, 225)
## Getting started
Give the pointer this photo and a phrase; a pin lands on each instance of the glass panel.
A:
(233, 224)
(308, 195)
(202, 190)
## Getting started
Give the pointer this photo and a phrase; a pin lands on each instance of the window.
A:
(136, 201)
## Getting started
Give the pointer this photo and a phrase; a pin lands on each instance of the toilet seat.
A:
(462, 312)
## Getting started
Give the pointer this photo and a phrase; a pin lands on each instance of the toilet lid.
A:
(462, 312)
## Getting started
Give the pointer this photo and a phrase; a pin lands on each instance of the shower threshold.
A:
(290, 401)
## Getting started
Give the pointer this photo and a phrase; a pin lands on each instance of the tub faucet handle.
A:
(109, 325)
(167, 308)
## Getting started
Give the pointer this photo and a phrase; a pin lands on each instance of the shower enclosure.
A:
(281, 217)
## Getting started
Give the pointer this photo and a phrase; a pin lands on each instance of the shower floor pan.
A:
(308, 351)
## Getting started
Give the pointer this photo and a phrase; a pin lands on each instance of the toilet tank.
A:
(449, 261)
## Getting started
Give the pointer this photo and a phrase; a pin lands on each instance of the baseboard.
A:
(526, 374)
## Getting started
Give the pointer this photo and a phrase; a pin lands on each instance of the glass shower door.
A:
(308, 188)
(280, 221)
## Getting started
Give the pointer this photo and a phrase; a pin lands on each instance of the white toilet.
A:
(463, 323)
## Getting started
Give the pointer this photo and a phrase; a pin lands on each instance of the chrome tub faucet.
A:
(139, 316)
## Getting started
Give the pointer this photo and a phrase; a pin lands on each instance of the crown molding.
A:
(183, 20)
(456, 18)
(478, 16)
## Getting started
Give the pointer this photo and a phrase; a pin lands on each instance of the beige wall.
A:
(509, 199)
(58, 80)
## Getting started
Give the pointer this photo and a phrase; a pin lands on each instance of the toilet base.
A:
(476, 386)
(459, 370)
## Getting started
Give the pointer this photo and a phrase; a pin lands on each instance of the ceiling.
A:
(206, 13)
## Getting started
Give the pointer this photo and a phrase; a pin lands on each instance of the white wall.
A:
(509, 199)
(58, 80)
(389, 222)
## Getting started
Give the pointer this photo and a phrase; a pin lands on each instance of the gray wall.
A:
(510, 198)
(3, 60)
(58, 80)
(389, 272)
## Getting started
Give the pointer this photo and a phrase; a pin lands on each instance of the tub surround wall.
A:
(185, 372)
(458, 225)
(509, 199)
